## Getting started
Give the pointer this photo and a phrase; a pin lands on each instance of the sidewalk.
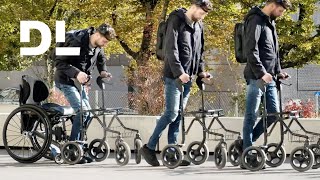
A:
(108, 169)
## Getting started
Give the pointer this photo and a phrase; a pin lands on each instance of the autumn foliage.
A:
(148, 98)
(307, 108)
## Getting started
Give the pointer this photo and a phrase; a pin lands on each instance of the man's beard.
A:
(272, 17)
(194, 19)
(97, 45)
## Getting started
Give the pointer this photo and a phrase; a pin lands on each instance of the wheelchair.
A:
(29, 130)
(34, 127)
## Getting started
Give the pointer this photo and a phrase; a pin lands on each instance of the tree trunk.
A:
(164, 10)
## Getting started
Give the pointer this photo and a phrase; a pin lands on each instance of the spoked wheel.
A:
(253, 158)
(275, 158)
(23, 127)
(71, 152)
(315, 148)
(234, 154)
(98, 153)
(122, 153)
(36, 142)
(220, 156)
(171, 156)
(301, 159)
(137, 147)
(197, 153)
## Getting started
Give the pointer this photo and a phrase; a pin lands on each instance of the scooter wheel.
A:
(234, 154)
(71, 152)
(171, 156)
(137, 147)
(220, 156)
(98, 154)
(301, 159)
(122, 153)
(315, 148)
(253, 158)
(196, 154)
(275, 159)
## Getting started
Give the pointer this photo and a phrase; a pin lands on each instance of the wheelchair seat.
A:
(34, 91)
(62, 110)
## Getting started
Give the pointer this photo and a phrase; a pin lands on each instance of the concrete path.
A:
(109, 170)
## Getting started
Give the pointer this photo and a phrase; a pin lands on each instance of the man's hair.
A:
(107, 31)
(206, 5)
(284, 3)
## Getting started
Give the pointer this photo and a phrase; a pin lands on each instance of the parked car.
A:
(10, 96)
(9, 99)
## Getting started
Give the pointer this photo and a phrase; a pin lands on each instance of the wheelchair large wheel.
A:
(37, 141)
(37, 145)
(122, 153)
(98, 154)
(220, 156)
(196, 154)
(137, 147)
(234, 154)
(23, 127)
(253, 158)
(301, 159)
(71, 152)
(275, 159)
(315, 148)
(171, 156)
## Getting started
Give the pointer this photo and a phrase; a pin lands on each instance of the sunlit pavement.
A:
(108, 169)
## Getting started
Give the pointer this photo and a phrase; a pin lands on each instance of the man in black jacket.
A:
(184, 43)
(90, 41)
(262, 52)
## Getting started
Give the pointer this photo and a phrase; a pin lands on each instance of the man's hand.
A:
(267, 78)
(184, 78)
(82, 77)
(205, 75)
(283, 75)
(105, 74)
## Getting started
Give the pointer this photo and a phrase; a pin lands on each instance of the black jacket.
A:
(69, 66)
(183, 46)
(261, 45)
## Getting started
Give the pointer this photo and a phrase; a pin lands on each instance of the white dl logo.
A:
(25, 27)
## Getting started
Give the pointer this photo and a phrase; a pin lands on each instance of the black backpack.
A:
(161, 34)
(160, 40)
(239, 37)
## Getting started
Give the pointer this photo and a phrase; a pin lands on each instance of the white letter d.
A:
(25, 27)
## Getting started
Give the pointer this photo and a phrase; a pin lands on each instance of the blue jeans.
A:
(73, 96)
(171, 114)
(253, 99)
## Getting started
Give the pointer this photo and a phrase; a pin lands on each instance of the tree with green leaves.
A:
(136, 22)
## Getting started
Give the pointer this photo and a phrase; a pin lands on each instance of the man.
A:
(91, 41)
(262, 52)
(184, 43)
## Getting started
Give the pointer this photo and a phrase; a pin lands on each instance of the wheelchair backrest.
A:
(32, 91)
